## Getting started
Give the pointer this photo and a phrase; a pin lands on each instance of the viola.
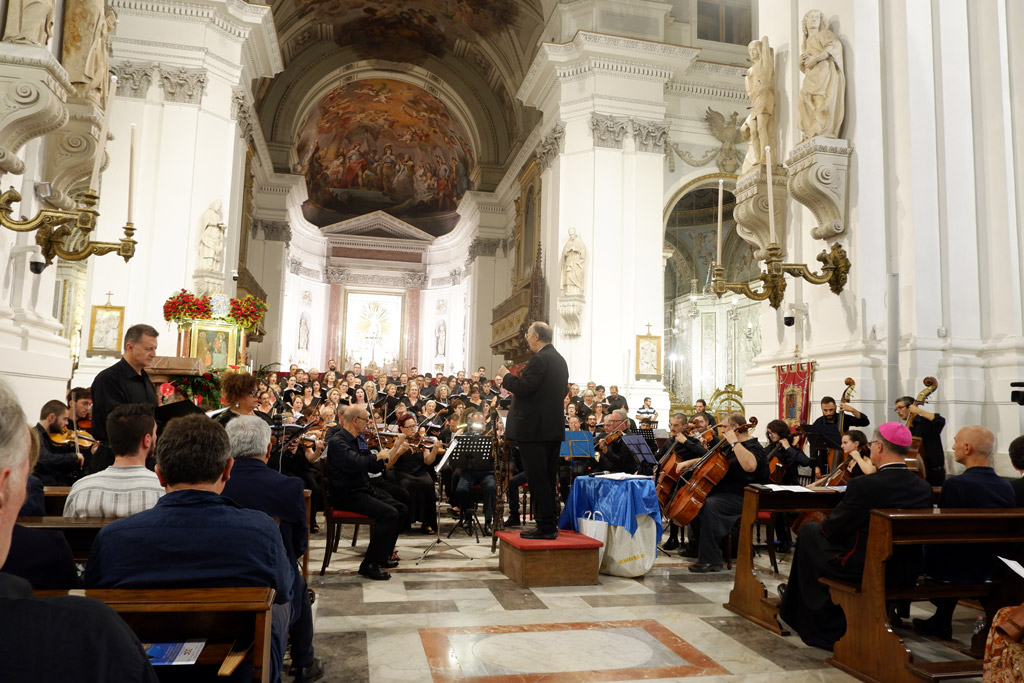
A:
(688, 499)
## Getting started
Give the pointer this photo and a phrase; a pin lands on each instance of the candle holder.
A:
(54, 226)
(835, 268)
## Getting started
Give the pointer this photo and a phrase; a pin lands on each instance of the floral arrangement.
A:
(248, 311)
(184, 306)
(203, 390)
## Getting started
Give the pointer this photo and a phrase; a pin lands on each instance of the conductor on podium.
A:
(537, 425)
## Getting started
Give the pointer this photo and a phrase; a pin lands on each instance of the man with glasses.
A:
(928, 427)
(349, 466)
(837, 546)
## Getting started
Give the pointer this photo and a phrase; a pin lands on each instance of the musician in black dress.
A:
(723, 505)
(790, 459)
(411, 471)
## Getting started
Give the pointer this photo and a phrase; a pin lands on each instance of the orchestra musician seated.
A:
(685, 447)
(470, 475)
(411, 471)
(747, 464)
(615, 455)
(790, 459)
(350, 462)
(59, 464)
(568, 469)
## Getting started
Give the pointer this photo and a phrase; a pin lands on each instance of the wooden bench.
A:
(54, 498)
(234, 621)
(869, 650)
(80, 532)
(749, 596)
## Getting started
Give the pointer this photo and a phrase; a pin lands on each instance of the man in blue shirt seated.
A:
(255, 486)
(978, 487)
(194, 537)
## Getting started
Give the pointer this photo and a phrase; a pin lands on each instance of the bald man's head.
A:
(974, 445)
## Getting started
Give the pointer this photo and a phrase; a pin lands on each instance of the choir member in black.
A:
(411, 471)
(790, 459)
(390, 403)
(615, 400)
(977, 487)
(615, 455)
(1017, 459)
(928, 427)
(309, 397)
(318, 390)
(828, 426)
(837, 546)
(685, 448)
(58, 464)
(724, 503)
(430, 419)
(702, 410)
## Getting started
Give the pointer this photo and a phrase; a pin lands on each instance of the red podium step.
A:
(569, 560)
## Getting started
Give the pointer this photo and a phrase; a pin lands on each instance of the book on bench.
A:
(168, 654)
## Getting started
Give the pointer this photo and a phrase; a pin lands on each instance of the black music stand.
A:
(640, 449)
(437, 505)
(576, 445)
(822, 439)
(475, 452)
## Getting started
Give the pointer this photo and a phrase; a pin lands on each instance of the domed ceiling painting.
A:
(381, 144)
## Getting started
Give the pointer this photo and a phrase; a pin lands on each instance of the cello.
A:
(667, 476)
(689, 496)
(914, 459)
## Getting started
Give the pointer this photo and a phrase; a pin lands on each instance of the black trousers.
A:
(422, 502)
(540, 462)
(387, 514)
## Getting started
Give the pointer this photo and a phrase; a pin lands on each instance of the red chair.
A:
(335, 518)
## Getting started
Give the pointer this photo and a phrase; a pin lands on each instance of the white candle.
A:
(771, 196)
(131, 172)
(101, 143)
(721, 191)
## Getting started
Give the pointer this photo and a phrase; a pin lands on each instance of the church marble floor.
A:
(455, 619)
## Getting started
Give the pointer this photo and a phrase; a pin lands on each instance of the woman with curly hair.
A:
(242, 393)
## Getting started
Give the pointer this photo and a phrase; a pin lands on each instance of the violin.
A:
(609, 439)
(688, 499)
(70, 436)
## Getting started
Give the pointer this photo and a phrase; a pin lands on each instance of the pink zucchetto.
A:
(895, 433)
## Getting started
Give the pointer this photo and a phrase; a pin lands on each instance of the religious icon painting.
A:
(648, 357)
(214, 344)
(105, 329)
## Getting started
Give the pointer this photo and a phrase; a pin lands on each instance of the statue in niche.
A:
(440, 338)
(823, 91)
(211, 241)
(29, 21)
(87, 32)
(574, 261)
(303, 333)
(759, 127)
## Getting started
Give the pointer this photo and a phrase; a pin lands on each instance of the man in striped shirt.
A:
(127, 486)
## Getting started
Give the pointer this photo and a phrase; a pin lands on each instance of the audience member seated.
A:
(52, 639)
(837, 546)
(194, 537)
(1017, 458)
(349, 465)
(255, 486)
(978, 487)
(126, 487)
(58, 464)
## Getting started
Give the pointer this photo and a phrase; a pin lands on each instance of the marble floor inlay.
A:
(592, 651)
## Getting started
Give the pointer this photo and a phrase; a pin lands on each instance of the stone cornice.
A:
(707, 90)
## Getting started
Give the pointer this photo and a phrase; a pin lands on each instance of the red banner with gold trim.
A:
(794, 384)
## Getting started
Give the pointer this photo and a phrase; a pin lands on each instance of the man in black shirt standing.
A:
(615, 400)
(832, 425)
(927, 427)
(125, 381)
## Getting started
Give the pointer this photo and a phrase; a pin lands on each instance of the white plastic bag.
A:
(631, 554)
(597, 529)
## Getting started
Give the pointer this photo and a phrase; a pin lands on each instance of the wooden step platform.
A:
(569, 560)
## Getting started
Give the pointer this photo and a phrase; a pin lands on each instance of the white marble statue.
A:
(29, 21)
(759, 127)
(574, 262)
(822, 94)
(211, 241)
(86, 48)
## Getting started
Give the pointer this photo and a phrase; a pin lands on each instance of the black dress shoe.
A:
(372, 571)
(313, 672)
(701, 568)
(539, 535)
(690, 551)
(512, 521)
(388, 564)
(782, 591)
(671, 544)
(487, 530)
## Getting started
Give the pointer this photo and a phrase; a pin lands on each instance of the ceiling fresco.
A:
(382, 144)
(402, 31)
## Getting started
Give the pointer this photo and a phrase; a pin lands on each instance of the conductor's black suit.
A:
(537, 424)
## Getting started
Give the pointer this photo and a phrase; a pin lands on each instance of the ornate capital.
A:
(482, 246)
(819, 178)
(608, 131)
(650, 136)
(183, 85)
(297, 267)
(551, 146)
(273, 231)
(245, 116)
(133, 80)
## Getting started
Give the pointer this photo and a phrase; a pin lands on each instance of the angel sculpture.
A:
(725, 131)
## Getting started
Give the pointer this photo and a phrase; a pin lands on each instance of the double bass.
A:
(835, 454)
(914, 459)
(689, 496)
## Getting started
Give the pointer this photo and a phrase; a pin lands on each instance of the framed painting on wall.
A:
(214, 344)
(648, 357)
(106, 327)
(373, 331)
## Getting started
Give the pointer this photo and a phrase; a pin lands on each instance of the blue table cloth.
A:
(618, 501)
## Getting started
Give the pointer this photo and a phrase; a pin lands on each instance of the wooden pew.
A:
(234, 621)
(80, 532)
(869, 649)
(54, 498)
(749, 596)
